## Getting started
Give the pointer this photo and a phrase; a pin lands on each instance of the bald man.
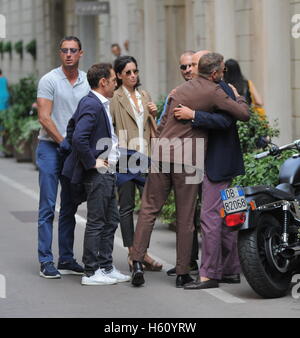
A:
(185, 65)
(195, 62)
(199, 94)
(223, 162)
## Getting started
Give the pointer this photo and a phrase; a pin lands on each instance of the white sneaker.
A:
(99, 278)
(116, 274)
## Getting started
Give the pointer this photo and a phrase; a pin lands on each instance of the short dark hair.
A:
(120, 64)
(71, 38)
(98, 72)
(209, 63)
(115, 45)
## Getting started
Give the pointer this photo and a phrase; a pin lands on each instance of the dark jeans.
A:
(127, 204)
(102, 221)
(49, 163)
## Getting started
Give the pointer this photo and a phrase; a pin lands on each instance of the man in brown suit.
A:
(197, 94)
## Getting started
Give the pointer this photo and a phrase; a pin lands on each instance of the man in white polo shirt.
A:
(59, 93)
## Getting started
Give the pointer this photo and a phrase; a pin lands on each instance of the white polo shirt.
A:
(55, 87)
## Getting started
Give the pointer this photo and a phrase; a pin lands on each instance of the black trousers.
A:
(102, 221)
(127, 204)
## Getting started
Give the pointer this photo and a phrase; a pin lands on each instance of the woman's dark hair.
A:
(97, 72)
(120, 64)
(234, 76)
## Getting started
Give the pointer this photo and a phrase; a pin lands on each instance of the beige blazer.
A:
(124, 120)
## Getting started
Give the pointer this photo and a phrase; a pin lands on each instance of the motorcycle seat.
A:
(286, 187)
(271, 191)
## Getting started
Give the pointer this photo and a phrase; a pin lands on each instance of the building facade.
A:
(258, 33)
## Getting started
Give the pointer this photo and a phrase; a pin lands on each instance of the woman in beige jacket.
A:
(133, 118)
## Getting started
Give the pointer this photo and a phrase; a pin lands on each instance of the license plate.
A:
(234, 200)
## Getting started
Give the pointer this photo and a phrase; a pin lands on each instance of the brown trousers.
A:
(156, 191)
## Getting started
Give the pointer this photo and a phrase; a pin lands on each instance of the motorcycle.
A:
(268, 221)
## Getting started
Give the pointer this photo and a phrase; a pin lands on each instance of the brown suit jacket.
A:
(200, 95)
(124, 119)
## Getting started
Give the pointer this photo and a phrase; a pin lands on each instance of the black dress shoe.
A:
(172, 272)
(181, 280)
(231, 279)
(209, 284)
(137, 274)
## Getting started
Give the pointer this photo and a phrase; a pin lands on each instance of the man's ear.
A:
(103, 82)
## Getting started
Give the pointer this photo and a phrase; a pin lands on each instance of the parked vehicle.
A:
(268, 221)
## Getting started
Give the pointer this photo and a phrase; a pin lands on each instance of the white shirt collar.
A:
(102, 98)
(126, 91)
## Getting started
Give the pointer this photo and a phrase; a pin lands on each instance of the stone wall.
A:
(255, 32)
(295, 71)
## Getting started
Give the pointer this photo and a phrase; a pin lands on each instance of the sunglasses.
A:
(184, 67)
(135, 72)
(66, 50)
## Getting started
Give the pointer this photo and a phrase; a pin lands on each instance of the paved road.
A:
(28, 295)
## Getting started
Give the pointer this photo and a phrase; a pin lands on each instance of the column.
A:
(276, 58)
(225, 28)
(175, 40)
(151, 66)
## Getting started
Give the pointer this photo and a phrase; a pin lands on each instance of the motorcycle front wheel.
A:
(266, 271)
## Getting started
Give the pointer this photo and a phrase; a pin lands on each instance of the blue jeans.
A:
(50, 163)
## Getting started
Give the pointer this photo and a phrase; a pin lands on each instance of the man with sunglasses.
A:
(199, 94)
(59, 93)
(223, 162)
(185, 66)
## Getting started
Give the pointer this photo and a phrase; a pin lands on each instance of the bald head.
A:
(195, 61)
(185, 63)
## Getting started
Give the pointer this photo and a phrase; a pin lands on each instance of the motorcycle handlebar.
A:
(262, 155)
(295, 144)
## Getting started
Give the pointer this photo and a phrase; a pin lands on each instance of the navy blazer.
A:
(224, 158)
(88, 125)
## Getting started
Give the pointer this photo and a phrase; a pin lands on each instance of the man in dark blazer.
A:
(223, 162)
(91, 163)
(197, 94)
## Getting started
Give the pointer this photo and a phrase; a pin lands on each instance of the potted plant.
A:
(1, 49)
(31, 48)
(26, 142)
(19, 48)
(7, 48)
(18, 122)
